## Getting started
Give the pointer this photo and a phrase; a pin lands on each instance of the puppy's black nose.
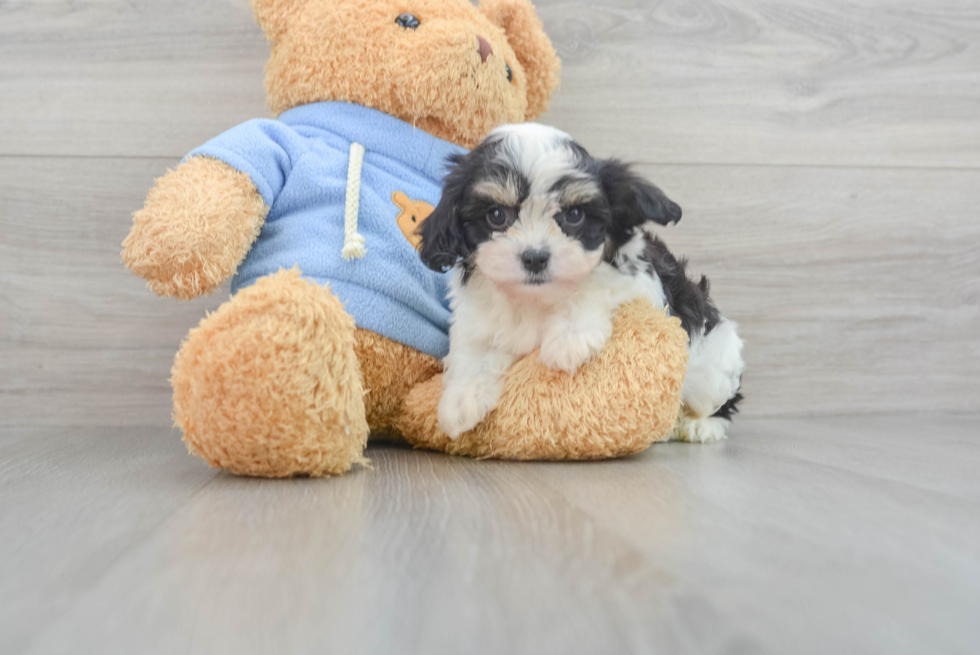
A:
(535, 261)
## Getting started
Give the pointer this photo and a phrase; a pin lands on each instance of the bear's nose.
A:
(484, 47)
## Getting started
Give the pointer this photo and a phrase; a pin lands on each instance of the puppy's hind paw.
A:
(700, 430)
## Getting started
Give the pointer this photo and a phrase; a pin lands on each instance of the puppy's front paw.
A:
(567, 351)
(462, 408)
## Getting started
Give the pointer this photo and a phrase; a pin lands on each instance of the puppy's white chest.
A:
(521, 332)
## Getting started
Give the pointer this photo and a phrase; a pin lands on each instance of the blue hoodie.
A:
(307, 165)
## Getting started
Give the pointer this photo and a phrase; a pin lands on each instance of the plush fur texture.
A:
(198, 223)
(270, 385)
(278, 381)
(390, 371)
(616, 405)
(431, 76)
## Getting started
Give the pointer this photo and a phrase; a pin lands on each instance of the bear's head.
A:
(452, 69)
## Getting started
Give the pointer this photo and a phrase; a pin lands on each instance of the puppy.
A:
(545, 243)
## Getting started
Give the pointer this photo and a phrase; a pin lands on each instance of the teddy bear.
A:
(335, 328)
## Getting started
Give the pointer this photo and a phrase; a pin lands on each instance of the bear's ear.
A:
(273, 16)
(526, 36)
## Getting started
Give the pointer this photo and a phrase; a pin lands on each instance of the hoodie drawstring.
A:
(353, 242)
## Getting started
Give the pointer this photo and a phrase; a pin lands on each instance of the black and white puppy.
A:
(546, 243)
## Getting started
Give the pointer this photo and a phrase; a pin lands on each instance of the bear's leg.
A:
(269, 384)
(390, 371)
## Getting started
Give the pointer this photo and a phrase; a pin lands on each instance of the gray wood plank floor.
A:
(854, 535)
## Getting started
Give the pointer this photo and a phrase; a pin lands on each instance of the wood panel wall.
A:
(827, 156)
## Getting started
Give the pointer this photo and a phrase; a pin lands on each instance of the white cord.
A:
(353, 242)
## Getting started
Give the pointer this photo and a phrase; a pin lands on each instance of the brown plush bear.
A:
(335, 328)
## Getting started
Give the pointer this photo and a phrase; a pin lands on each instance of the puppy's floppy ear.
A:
(537, 56)
(443, 242)
(633, 199)
(273, 16)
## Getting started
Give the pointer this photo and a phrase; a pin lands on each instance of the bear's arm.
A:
(196, 227)
(201, 219)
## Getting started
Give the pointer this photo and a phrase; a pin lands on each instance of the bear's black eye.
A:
(407, 21)
(510, 73)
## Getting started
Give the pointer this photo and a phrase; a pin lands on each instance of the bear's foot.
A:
(269, 385)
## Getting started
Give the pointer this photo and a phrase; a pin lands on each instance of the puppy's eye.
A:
(497, 218)
(407, 21)
(510, 73)
(573, 217)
